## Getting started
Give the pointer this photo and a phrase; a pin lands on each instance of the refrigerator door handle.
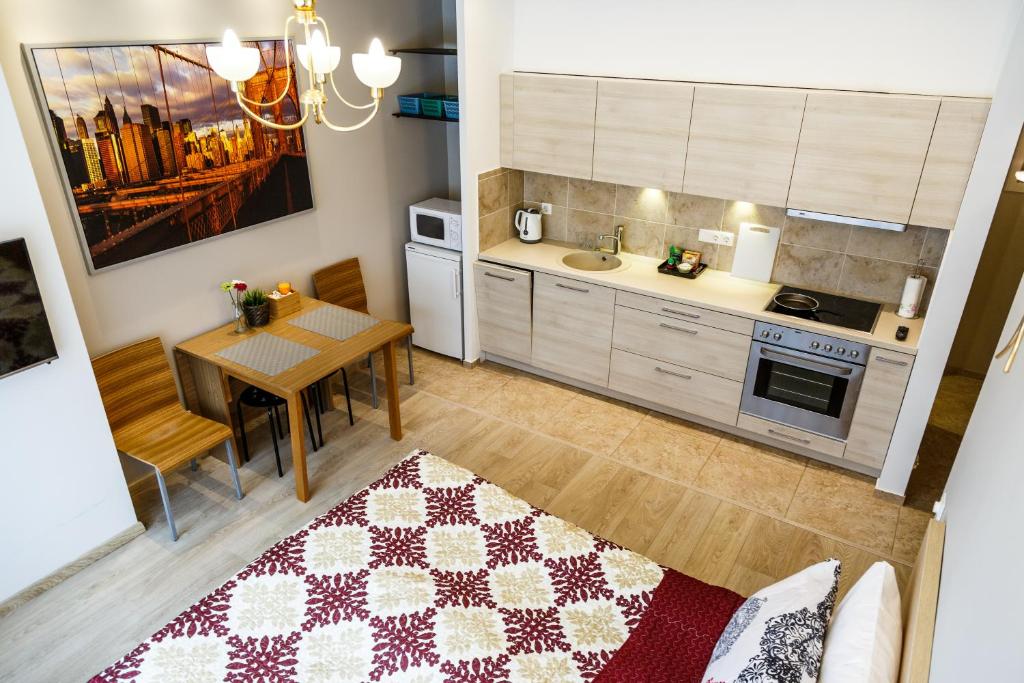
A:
(455, 284)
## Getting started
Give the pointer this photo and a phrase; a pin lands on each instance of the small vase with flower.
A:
(236, 291)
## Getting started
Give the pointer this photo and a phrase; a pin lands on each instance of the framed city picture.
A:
(154, 152)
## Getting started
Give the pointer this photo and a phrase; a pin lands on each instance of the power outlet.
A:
(722, 237)
(545, 209)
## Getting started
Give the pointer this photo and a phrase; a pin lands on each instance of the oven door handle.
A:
(807, 363)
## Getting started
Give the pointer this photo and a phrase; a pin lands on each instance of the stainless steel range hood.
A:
(848, 220)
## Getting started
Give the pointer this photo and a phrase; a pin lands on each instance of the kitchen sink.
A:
(591, 260)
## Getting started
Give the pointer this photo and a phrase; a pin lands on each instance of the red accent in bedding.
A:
(676, 635)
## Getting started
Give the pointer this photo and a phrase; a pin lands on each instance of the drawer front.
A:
(791, 435)
(503, 308)
(703, 348)
(572, 328)
(675, 386)
(878, 407)
(704, 316)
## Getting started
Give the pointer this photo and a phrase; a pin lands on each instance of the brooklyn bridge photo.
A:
(156, 152)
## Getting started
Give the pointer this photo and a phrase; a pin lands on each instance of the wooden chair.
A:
(147, 419)
(341, 284)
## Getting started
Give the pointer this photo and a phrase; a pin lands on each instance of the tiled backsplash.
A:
(859, 262)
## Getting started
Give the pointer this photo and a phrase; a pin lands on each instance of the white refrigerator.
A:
(435, 298)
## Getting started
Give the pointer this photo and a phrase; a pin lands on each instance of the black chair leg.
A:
(277, 416)
(241, 428)
(319, 428)
(348, 397)
(309, 422)
(273, 438)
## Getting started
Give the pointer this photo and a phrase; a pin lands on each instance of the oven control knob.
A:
(854, 353)
(840, 350)
(766, 333)
(815, 344)
(828, 348)
(777, 336)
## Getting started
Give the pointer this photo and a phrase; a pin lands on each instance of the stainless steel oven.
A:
(803, 379)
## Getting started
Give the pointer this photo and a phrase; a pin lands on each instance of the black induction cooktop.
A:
(840, 311)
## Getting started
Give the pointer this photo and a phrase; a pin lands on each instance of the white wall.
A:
(485, 51)
(921, 46)
(63, 492)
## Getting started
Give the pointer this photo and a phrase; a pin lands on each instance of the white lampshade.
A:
(318, 56)
(375, 68)
(231, 61)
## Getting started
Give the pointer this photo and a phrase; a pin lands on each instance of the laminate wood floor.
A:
(724, 510)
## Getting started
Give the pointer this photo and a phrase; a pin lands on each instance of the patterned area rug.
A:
(433, 574)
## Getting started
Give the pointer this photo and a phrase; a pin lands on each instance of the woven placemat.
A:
(334, 322)
(268, 354)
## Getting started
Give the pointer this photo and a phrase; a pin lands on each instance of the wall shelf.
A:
(444, 51)
(399, 115)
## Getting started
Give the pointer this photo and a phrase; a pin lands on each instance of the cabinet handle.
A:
(575, 289)
(788, 436)
(1012, 347)
(682, 313)
(677, 329)
(500, 277)
(890, 361)
(663, 371)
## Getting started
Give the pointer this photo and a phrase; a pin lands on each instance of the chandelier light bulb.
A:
(231, 61)
(376, 69)
(318, 56)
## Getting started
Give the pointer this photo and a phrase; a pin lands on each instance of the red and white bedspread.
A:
(433, 574)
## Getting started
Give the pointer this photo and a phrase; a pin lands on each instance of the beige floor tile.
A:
(666, 450)
(845, 504)
(909, 534)
(527, 401)
(594, 424)
(468, 386)
(754, 475)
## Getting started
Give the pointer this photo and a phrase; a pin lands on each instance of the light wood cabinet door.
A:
(641, 131)
(674, 386)
(506, 119)
(949, 162)
(862, 154)
(553, 124)
(878, 406)
(695, 346)
(742, 143)
(572, 328)
(503, 310)
(791, 435)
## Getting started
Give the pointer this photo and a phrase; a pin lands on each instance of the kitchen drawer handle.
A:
(663, 371)
(500, 277)
(677, 329)
(789, 436)
(682, 313)
(890, 361)
(575, 289)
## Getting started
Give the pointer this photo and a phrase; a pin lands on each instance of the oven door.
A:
(430, 228)
(801, 389)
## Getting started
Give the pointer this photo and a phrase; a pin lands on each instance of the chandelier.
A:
(237, 64)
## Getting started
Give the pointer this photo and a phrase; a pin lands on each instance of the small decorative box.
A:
(282, 305)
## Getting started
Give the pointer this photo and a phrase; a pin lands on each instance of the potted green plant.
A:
(257, 307)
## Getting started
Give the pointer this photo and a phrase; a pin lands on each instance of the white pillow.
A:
(778, 633)
(864, 640)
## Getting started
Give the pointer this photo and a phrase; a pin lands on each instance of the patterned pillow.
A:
(778, 633)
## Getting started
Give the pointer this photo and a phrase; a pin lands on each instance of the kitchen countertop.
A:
(714, 289)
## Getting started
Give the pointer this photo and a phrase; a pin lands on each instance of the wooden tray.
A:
(692, 275)
(286, 305)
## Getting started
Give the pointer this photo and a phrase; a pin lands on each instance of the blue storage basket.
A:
(451, 108)
(409, 104)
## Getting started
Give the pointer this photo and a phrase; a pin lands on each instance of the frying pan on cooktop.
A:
(802, 305)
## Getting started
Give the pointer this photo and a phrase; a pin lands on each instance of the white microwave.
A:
(437, 222)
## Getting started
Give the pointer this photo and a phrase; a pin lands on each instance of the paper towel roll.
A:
(913, 291)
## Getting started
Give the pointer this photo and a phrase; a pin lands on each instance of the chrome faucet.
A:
(618, 241)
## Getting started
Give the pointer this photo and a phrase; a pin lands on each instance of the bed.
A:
(433, 574)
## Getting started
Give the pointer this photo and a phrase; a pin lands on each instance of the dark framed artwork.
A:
(154, 152)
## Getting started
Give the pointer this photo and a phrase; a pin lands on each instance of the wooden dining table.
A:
(205, 375)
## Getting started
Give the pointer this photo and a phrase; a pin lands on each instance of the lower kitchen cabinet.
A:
(503, 309)
(675, 386)
(791, 435)
(878, 406)
(572, 328)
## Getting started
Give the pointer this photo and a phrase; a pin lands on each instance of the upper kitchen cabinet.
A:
(950, 159)
(553, 124)
(742, 143)
(862, 154)
(641, 131)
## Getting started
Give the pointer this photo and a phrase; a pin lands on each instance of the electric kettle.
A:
(528, 224)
